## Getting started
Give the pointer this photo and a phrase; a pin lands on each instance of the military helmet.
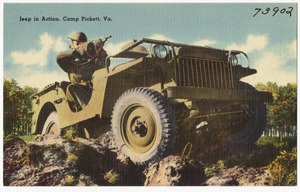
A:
(78, 36)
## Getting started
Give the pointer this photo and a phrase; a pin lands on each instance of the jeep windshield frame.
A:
(153, 41)
(122, 53)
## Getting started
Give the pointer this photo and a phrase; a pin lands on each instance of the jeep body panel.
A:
(107, 87)
(56, 98)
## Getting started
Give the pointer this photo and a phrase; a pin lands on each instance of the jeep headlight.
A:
(159, 51)
(232, 59)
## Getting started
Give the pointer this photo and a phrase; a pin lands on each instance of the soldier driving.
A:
(80, 63)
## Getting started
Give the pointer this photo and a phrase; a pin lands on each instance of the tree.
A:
(27, 107)
(286, 109)
(17, 104)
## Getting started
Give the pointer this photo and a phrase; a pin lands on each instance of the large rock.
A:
(239, 176)
(14, 158)
(60, 161)
(173, 171)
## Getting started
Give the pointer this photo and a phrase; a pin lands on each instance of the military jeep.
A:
(165, 96)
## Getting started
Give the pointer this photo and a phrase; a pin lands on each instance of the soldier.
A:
(80, 66)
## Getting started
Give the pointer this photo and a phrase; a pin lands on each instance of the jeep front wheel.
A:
(143, 125)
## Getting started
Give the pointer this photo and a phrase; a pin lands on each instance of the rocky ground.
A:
(65, 161)
(238, 176)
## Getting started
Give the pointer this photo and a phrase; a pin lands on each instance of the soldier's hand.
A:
(99, 44)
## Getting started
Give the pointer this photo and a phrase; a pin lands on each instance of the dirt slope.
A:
(62, 161)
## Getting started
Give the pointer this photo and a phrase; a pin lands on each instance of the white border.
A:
(133, 189)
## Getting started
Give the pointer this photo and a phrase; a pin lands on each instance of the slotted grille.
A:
(196, 72)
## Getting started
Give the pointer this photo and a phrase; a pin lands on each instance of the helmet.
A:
(78, 36)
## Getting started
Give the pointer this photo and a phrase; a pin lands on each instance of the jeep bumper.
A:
(218, 94)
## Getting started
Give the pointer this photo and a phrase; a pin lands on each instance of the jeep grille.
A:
(202, 73)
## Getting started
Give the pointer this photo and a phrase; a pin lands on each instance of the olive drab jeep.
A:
(163, 97)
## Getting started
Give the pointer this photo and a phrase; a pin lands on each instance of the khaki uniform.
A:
(79, 90)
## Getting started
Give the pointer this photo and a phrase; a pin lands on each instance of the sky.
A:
(269, 38)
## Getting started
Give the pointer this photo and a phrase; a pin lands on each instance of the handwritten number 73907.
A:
(274, 11)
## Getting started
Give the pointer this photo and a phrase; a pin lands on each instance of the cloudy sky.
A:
(269, 37)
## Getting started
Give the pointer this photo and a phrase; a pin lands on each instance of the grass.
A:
(279, 143)
(284, 169)
(264, 152)
(25, 138)
(28, 138)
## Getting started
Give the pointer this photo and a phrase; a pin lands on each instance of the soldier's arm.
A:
(64, 60)
(101, 59)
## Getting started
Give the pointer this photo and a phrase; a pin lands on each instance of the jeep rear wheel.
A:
(253, 127)
(143, 125)
(234, 134)
(236, 129)
(52, 125)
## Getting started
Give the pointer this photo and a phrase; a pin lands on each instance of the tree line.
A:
(282, 113)
(16, 108)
